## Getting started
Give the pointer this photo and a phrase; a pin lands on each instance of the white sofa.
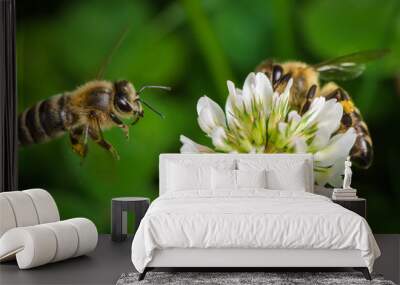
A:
(31, 231)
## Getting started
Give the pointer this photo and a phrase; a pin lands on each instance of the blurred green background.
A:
(195, 46)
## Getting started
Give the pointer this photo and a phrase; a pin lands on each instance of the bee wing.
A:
(349, 66)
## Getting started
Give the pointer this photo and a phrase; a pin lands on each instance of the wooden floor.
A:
(110, 260)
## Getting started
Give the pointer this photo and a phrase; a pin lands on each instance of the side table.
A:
(119, 208)
(358, 205)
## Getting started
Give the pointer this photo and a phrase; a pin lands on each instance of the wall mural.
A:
(76, 139)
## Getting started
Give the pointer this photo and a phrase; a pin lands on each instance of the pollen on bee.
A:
(79, 149)
(348, 106)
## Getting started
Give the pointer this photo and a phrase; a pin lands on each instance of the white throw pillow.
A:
(292, 180)
(251, 178)
(223, 179)
(227, 179)
(181, 177)
(282, 174)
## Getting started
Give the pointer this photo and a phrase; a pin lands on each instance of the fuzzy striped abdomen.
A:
(45, 120)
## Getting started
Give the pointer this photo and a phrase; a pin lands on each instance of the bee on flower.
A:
(259, 120)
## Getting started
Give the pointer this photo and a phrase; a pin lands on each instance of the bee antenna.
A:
(153, 87)
(116, 46)
(151, 108)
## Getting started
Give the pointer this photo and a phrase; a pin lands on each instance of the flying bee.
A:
(84, 113)
(306, 86)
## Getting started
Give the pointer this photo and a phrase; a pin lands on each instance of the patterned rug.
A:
(269, 278)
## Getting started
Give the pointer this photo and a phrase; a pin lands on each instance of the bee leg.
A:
(78, 138)
(135, 120)
(309, 97)
(96, 134)
(120, 124)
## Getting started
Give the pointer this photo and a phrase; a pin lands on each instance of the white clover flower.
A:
(210, 114)
(259, 120)
(189, 146)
